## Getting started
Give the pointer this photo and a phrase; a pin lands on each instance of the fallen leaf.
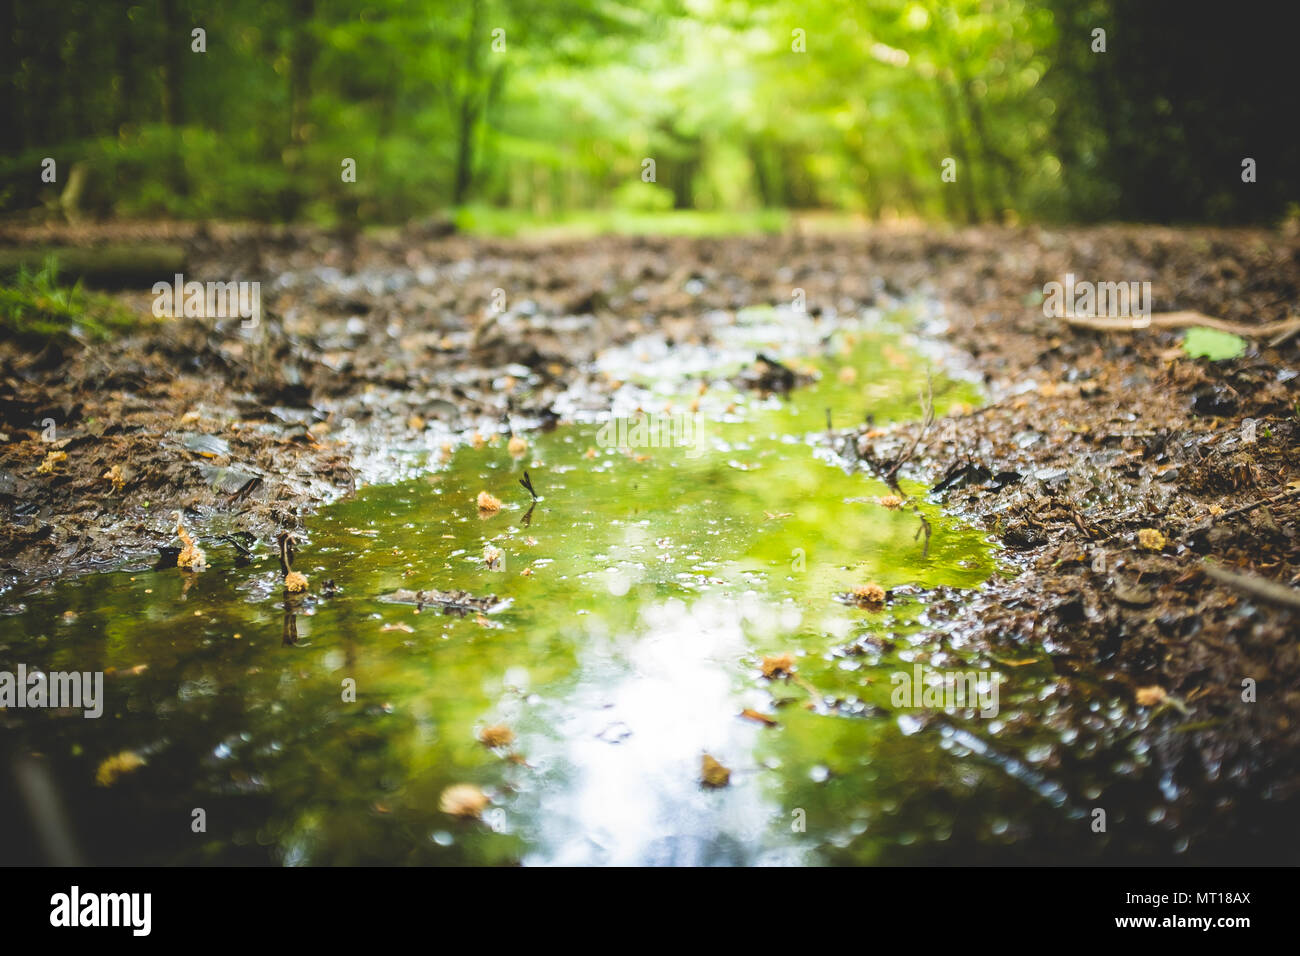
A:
(778, 665)
(1150, 696)
(754, 715)
(117, 765)
(1021, 663)
(498, 735)
(869, 595)
(463, 800)
(713, 774)
(1149, 539)
(52, 459)
(115, 478)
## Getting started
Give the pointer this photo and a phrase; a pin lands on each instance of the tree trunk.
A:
(175, 43)
(957, 141)
(468, 110)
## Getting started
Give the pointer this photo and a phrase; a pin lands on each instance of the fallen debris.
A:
(1254, 585)
(713, 774)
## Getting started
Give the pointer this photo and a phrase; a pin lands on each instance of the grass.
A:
(580, 224)
(36, 308)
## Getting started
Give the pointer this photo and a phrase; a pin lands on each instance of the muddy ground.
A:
(1089, 438)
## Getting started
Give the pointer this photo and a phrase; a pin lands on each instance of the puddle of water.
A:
(644, 587)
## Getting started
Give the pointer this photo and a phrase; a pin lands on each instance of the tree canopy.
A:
(968, 110)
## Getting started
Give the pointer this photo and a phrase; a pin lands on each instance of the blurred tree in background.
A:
(544, 107)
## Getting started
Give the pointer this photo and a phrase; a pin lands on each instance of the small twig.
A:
(1282, 496)
(1254, 585)
(1282, 337)
(927, 419)
(1181, 320)
(527, 482)
(925, 526)
(812, 691)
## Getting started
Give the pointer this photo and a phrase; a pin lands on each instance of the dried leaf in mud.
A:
(208, 446)
(768, 375)
(229, 480)
(117, 765)
(777, 665)
(464, 800)
(488, 504)
(115, 478)
(1150, 696)
(1133, 596)
(1020, 663)
(52, 459)
(498, 735)
(135, 671)
(1149, 539)
(871, 596)
(712, 773)
(191, 556)
(751, 714)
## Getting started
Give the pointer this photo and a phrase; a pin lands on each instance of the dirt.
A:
(1092, 440)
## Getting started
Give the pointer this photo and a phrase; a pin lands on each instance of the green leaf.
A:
(1213, 344)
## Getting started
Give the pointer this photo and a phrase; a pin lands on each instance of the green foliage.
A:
(36, 308)
(742, 104)
(494, 221)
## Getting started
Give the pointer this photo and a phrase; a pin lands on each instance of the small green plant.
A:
(1212, 344)
(37, 308)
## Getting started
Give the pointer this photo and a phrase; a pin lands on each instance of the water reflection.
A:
(628, 741)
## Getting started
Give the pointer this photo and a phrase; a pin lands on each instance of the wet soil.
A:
(373, 346)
